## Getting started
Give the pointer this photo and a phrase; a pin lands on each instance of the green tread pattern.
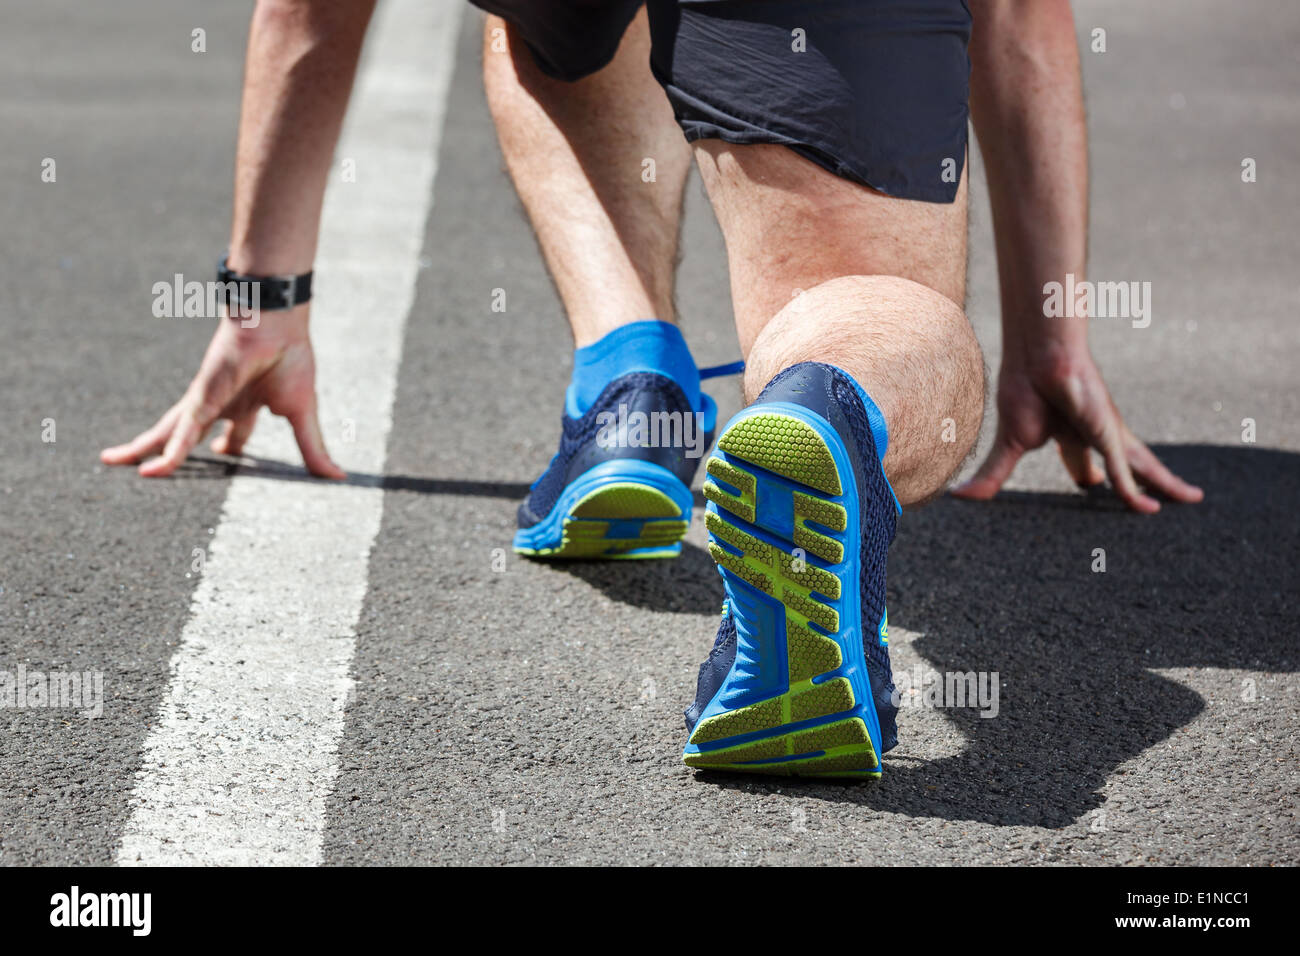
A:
(863, 761)
(742, 720)
(832, 697)
(811, 610)
(794, 450)
(742, 506)
(812, 579)
(784, 445)
(827, 513)
(845, 733)
(627, 500)
(841, 747)
(761, 750)
(763, 564)
(837, 767)
(738, 566)
(585, 530)
(810, 654)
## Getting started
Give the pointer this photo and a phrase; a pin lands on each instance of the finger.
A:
(1096, 421)
(1078, 461)
(306, 428)
(191, 425)
(144, 444)
(1111, 446)
(997, 467)
(231, 441)
(1153, 473)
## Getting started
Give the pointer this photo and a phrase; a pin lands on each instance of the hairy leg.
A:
(606, 220)
(824, 270)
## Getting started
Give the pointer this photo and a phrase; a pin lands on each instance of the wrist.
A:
(271, 330)
(275, 260)
(247, 296)
(1029, 336)
(1046, 359)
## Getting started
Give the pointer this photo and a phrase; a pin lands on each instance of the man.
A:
(831, 138)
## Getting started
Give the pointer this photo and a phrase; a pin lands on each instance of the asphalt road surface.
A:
(298, 673)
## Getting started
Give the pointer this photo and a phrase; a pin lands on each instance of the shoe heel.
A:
(624, 520)
(782, 521)
(616, 511)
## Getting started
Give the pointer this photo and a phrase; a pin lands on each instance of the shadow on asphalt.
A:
(216, 466)
(1007, 586)
(689, 584)
(202, 466)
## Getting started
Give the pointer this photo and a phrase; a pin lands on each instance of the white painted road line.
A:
(243, 754)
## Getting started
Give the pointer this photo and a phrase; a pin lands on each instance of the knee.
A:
(868, 318)
(910, 347)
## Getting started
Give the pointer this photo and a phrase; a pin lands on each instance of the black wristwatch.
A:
(273, 293)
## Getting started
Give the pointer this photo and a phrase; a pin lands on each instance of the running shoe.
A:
(619, 486)
(800, 519)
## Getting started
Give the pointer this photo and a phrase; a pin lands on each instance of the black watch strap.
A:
(266, 293)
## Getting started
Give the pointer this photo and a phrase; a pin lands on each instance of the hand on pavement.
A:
(244, 369)
(1067, 399)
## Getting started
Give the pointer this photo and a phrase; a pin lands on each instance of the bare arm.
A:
(1027, 108)
(302, 58)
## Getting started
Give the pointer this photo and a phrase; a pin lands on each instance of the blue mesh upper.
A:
(879, 522)
(575, 434)
(646, 391)
(714, 670)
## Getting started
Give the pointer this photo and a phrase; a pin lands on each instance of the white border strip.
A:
(244, 752)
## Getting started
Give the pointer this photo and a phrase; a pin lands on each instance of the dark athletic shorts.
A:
(873, 90)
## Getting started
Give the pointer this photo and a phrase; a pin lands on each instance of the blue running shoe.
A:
(619, 486)
(800, 520)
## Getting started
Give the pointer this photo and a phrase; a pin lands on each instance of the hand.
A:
(243, 370)
(1064, 397)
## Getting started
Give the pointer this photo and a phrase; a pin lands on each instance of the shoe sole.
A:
(613, 517)
(783, 529)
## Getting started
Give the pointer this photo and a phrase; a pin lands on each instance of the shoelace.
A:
(716, 371)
